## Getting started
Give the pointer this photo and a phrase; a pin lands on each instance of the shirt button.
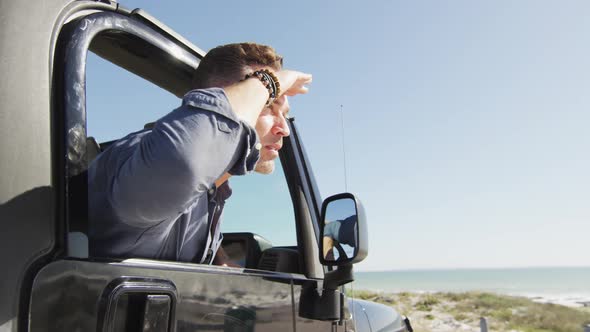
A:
(258, 146)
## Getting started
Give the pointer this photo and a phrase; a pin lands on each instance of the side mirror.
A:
(343, 242)
(343, 231)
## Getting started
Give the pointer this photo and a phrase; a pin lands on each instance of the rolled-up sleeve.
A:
(181, 158)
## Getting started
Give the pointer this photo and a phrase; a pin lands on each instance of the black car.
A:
(49, 282)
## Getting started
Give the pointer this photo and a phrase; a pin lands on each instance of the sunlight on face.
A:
(271, 127)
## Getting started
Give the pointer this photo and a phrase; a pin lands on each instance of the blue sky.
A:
(465, 121)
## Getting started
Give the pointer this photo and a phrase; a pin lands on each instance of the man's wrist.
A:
(270, 82)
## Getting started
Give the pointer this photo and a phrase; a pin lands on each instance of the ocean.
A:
(563, 285)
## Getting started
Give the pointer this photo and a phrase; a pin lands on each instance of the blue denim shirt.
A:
(152, 193)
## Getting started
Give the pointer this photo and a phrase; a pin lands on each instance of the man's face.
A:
(271, 128)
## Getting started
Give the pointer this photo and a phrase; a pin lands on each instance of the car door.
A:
(75, 292)
(139, 295)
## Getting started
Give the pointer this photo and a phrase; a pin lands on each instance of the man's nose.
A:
(281, 127)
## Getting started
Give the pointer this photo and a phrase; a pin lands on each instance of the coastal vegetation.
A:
(462, 312)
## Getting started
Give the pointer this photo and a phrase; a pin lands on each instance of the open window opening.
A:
(132, 76)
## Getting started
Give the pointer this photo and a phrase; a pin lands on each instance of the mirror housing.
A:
(343, 241)
(343, 231)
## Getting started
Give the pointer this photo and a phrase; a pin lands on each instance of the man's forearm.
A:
(173, 164)
(247, 99)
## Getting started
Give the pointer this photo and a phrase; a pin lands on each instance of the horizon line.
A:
(478, 268)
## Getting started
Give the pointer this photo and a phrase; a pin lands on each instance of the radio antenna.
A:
(343, 148)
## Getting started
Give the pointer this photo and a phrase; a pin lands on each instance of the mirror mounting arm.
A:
(329, 305)
(336, 278)
(326, 306)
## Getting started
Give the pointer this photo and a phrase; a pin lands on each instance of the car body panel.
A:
(376, 317)
(28, 199)
(208, 297)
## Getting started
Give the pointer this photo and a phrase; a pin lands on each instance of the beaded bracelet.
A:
(270, 81)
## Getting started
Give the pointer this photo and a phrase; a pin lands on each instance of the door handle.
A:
(156, 313)
(138, 304)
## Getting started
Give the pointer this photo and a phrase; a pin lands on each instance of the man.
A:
(159, 193)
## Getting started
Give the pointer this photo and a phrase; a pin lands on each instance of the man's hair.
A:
(227, 64)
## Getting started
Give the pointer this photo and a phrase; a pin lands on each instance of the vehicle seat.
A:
(92, 149)
(78, 192)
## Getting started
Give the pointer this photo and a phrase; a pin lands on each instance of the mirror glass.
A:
(340, 230)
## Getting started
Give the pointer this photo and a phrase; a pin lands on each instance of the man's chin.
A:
(265, 167)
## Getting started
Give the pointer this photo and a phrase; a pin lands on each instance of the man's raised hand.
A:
(293, 82)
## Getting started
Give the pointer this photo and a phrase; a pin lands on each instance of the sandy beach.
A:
(446, 312)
